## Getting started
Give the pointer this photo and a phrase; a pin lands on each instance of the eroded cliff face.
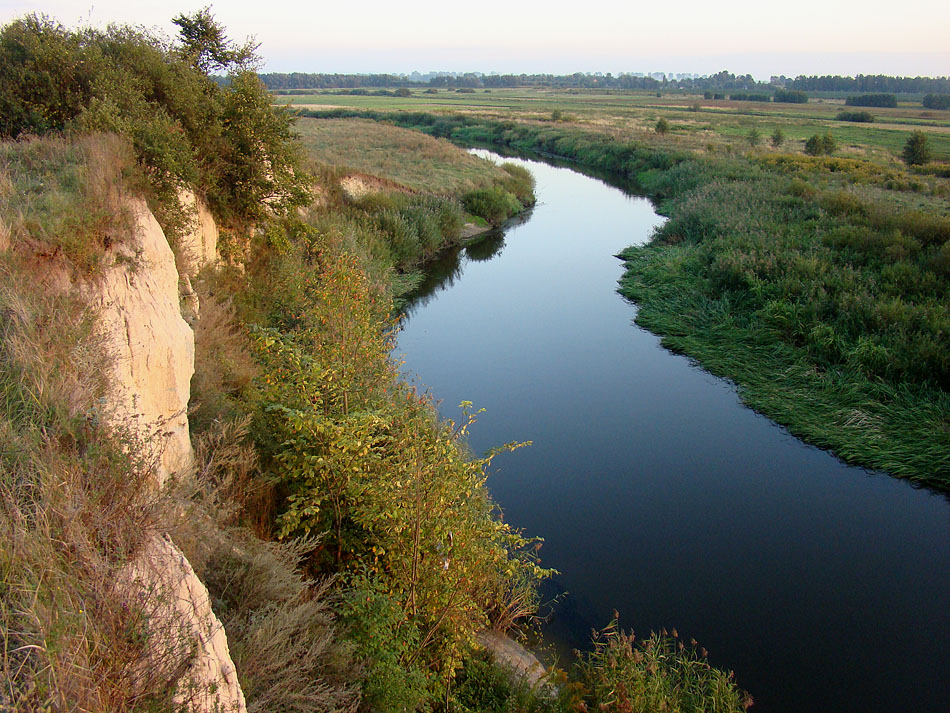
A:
(137, 299)
(151, 346)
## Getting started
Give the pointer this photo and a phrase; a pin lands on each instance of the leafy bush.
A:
(662, 126)
(881, 100)
(494, 204)
(917, 149)
(819, 145)
(858, 116)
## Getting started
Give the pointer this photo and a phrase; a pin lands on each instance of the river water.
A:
(826, 588)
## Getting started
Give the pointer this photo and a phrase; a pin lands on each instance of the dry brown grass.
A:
(75, 509)
(281, 627)
(410, 158)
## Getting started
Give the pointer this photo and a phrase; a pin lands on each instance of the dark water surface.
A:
(825, 588)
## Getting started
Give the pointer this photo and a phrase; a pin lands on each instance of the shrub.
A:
(858, 116)
(777, 138)
(937, 101)
(916, 150)
(754, 136)
(881, 100)
(662, 126)
(820, 145)
(494, 204)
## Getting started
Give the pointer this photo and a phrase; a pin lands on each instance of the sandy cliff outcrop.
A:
(197, 248)
(137, 300)
(152, 347)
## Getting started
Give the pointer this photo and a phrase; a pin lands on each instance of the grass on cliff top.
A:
(410, 158)
(61, 197)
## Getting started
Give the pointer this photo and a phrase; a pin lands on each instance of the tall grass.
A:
(76, 508)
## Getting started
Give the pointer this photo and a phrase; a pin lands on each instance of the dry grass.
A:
(409, 158)
(61, 197)
(75, 509)
(224, 367)
(281, 627)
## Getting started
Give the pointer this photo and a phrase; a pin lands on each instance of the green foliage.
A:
(777, 138)
(385, 640)
(881, 100)
(754, 136)
(660, 673)
(917, 149)
(205, 43)
(227, 142)
(819, 145)
(936, 101)
(749, 97)
(494, 204)
(360, 456)
(864, 117)
(790, 96)
(662, 126)
(484, 686)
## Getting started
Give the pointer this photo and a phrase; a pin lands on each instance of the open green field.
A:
(695, 123)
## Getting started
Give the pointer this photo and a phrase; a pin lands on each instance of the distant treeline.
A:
(871, 83)
(580, 80)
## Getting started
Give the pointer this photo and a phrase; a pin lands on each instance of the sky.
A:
(845, 37)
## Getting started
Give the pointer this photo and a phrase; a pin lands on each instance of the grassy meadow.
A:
(408, 158)
(695, 123)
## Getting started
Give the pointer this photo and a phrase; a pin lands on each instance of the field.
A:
(695, 123)
(409, 158)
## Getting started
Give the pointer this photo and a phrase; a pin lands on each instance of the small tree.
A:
(820, 145)
(662, 126)
(755, 137)
(777, 138)
(916, 150)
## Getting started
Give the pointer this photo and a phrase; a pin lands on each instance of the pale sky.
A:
(702, 36)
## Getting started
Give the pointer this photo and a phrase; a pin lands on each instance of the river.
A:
(826, 588)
